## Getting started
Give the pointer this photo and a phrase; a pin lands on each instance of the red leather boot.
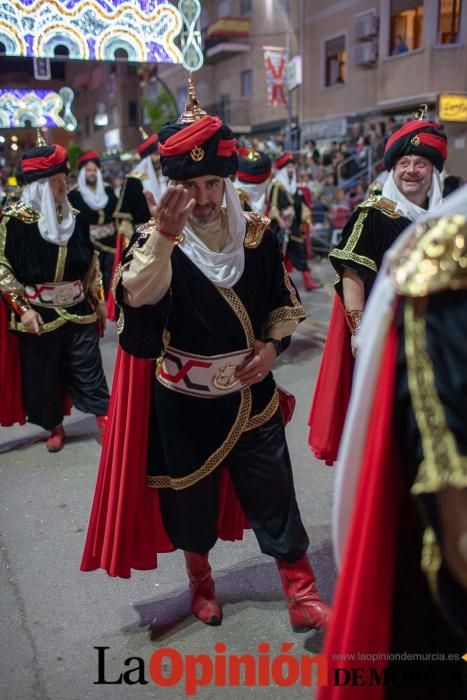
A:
(204, 604)
(309, 283)
(102, 424)
(57, 438)
(306, 609)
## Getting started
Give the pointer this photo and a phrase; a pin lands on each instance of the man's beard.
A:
(205, 219)
(91, 183)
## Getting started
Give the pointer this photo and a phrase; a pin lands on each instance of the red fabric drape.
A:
(332, 391)
(362, 609)
(125, 529)
(11, 388)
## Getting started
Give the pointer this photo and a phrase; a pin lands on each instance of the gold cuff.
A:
(354, 320)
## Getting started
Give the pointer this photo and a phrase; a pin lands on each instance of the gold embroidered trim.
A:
(431, 558)
(442, 464)
(265, 415)
(292, 291)
(383, 204)
(22, 211)
(239, 310)
(347, 253)
(63, 317)
(3, 259)
(434, 259)
(15, 325)
(284, 313)
(217, 457)
(76, 318)
(60, 266)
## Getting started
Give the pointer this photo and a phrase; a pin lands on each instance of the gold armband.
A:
(354, 319)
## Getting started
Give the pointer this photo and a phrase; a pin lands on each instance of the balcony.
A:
(236, 114)
(225, 38)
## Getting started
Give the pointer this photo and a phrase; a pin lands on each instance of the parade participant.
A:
(50, 278)
(289, 216)
(144, 181)
(204, 289)
(414, 157)
(254, 171)
(401, 482)
(96, 203)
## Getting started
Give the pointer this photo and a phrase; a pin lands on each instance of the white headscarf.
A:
(40, 197)
(371, 341)
(223, 269)
(282, 176)
(96, 198)
(256, 192)
(407, 208)
(153, 181)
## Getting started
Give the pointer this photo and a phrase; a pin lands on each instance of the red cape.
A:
(332, 391)
(125, 529)
(363, 603)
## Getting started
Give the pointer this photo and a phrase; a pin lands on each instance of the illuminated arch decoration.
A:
(91, 29)
(26, 107)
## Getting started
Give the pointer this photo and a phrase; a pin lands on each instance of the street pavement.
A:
(53, 616)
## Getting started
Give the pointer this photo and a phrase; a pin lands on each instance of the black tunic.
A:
(65, 357)
(132, 205)
(205, 320)
(34, 260)
(368, 234)
(280, 199)
(97, 217)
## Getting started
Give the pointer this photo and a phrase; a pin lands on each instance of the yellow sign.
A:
(453, 108)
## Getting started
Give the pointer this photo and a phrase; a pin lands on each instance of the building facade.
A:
(363, 61)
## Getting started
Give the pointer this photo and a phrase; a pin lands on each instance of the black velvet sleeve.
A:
(357, 251)
(366, 237)
(140, 328)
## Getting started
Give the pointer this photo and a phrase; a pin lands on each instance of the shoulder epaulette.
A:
(383, 204)
(256, 225)
(22, 211)
(433, 259)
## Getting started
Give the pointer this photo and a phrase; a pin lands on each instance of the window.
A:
(225, 108)
(182, 94)
(449, 12)
(223, 8)
(133, 113)
(246, 77)
(245, 7)
(406, 26)
(335, 61)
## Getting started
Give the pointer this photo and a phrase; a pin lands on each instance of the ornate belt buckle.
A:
(225, 378)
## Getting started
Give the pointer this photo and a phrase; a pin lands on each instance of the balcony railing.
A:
(236, 113)
(226, 37)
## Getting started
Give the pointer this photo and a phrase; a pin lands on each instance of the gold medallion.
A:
(225, 378)
(197, 153)
(415, 140)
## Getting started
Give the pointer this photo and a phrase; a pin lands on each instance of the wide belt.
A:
(201, 375)
(104, 231)
(55, 293)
